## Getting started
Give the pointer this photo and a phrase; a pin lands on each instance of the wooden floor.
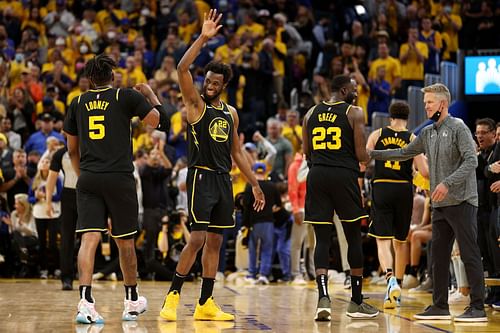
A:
(40, 306)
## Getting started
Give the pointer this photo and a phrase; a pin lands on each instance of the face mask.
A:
(435, 116)
(19, 57)
(84, 49)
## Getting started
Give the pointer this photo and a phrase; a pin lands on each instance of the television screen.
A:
(482, 75)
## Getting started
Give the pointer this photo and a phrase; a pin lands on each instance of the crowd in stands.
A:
(272, 47)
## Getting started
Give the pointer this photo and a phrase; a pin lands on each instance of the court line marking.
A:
(407, 319)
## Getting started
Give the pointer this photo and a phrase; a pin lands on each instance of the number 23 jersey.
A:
(101, 120)
(331, 137)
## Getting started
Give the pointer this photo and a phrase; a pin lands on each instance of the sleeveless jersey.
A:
(393, 170)
(331, 137)
(101, 120)
(210, 139)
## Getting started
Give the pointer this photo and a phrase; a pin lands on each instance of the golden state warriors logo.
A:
(219, 129)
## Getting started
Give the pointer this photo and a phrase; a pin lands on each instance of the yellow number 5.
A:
(319, 141)
(97, 131)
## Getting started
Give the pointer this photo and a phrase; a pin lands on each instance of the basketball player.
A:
(213, 139)
(334, 144)
(392, 192)
(99, 145)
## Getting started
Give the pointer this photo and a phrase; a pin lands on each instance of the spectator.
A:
(392, 67)
(59, 20)
(47, 226)
(283, 147)
(412, 55)
(434, 43)
(380, 93)
(13, 138)
(24, 232)
(292, 131)
(37, 141)
(262, 225)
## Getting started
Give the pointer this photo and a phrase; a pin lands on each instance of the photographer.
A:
(172, 239)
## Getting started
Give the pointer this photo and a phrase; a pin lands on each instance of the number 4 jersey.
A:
(393, 171)
(101, 120)
(331, 136)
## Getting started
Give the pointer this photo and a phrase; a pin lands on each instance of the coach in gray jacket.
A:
(452, 158)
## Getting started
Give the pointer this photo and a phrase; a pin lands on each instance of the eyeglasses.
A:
(482, 133)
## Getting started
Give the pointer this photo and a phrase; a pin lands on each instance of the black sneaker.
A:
(67, 284)
(472, 315)
(323, 312)
(433, 313)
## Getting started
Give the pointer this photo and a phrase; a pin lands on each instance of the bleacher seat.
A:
(380, 119)
(417, 111)
(449, 76)
(431, 79)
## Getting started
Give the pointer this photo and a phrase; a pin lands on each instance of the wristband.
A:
(164, 123)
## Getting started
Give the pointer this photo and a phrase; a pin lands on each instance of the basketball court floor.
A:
(40, 306)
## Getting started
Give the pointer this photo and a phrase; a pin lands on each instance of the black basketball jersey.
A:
(210, 139)
(101, 120)
(393, 170)
(331, 137)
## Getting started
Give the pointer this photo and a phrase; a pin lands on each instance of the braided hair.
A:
(100, 69)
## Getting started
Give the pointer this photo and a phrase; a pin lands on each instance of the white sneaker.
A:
(219, 277)
(87, 313)
(458, 298)
(262, 280)
(97, 276)
(132, 309)
(299, 281)
(112, 277)
(44, 274)
(410, 281)
(2, 259)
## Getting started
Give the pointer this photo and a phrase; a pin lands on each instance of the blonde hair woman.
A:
(23, 230)
(45, 223)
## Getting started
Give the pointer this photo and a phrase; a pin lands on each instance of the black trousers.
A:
(68, 219)
(487, 240)
(47, 230)
(152, 227)
(449, 223)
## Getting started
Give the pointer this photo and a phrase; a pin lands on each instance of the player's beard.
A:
(350, 98)
(211, 98)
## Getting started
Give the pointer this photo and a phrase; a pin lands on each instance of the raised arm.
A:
(191, 97)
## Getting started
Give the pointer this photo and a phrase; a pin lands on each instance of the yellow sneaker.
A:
(211, 311)
(169, 309)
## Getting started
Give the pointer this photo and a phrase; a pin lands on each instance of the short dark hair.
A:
(399, 110)
(99, 69)
(487, 122)
(218, 67)
(340, 81)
